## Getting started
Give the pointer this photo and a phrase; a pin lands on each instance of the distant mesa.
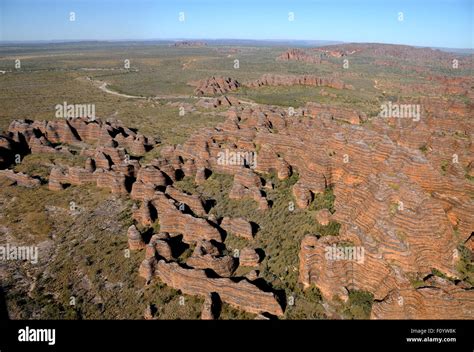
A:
(335, 53)
(384, 50)
(189, 44)
(299, 55)
(375, 50)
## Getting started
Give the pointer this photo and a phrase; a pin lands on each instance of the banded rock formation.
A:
(403, 215)
(135, 240)
(272, 80)
(397, 201)
(209, 307)
(162, 247)
(248, 257)
(144, 214)
(323, 217)
(325, 111)
(215, 86)
(194, 202)
(242, 295)
(203, 258)
(238, 227)
(173, 220)
(299, 55)
(20, 178)
(436, 299)
(108, 165)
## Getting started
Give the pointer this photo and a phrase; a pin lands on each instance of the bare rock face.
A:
(209, 307)
(283, 169)
(469, 243)
(402, 215)
(302, 194)
(90, 165)
(402, 211)
(147, 269)
(215, 86)
(20, 178)
(247, 184)
(137, 145)
(252, 275)
(150, 251)
(202, 259)
(303, 80)
(335, 53)
(172, 220)
(299, 55)
(269, 160)
(313, 254)
(162, 247)
(101, 160)
(142, 191)
(341, 114)
(325, 263)
(116, 181)
(194, 202)
(143, 215)
(189, 168)
(57, 178)
(79, 176)
(135, 240)
(60, 131)
(208, 247)
(248, 257)
(323, 217)
(108, 165)
(200, 175)
(242, 295)
(75, 131)
(223, 266)
(41, 145)
(436, 299)
(238, 226)
(148, 179)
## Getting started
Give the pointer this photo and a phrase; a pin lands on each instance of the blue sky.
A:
(439, 23)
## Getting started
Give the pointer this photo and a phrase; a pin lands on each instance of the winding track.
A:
(103, 86)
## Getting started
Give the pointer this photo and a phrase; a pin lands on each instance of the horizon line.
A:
(333, 42)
